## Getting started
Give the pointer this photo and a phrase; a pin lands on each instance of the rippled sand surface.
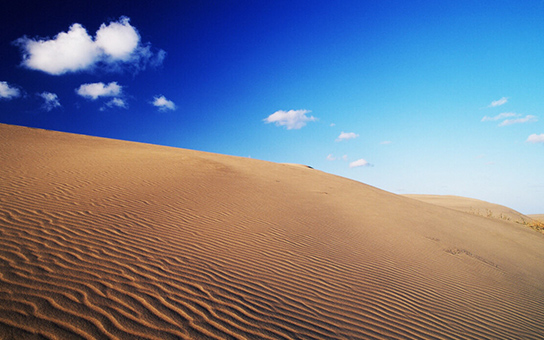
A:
(102, 238)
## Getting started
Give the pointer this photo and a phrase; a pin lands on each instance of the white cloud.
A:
(330, 157)
(115, 45)
(163, 104)
(534, 138)
(359, 163)
(386, 142)
(499, 102)
(67, 52)
(118, 40)
(51, 101)
(526, 119)
(95, 90)
(7, 91)
(500, 116)
(292, 119)
(117, 102)
(346, 136)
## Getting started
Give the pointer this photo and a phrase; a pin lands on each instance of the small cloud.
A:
(500, 116)
(346, 136)
(51, 101)
(359, 163)
(292, 119)
(386, 142)
(7, 91)
(499, 102)
(332, 124)
(163, 104)
(331, 157)
(534, 138)
(526, 119)
(95, 90)
(117, 102)
(505, 122)
(114, 45)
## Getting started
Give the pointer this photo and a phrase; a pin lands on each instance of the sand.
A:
(476, 207)
(111, 239)
(538, 217)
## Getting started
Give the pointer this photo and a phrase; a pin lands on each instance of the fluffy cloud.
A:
(7, 91)
(163, 104)
(499, 102)
(118, 40)
(500, 116)
(292, 119)
(359, 163)
(95, 90)
(117, 102)
(51, 101)
(346, 136)
(115, 45)
(526, 119)
(534, 138)
(68, 52)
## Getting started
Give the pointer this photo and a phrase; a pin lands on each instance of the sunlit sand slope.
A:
(475, 206)
(110, 239)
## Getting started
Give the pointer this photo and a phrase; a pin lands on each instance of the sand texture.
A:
(102, 238)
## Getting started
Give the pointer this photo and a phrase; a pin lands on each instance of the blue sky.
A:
(408, 96)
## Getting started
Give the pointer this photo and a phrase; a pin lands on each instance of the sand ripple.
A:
(110, 239)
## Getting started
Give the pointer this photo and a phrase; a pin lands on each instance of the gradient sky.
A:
(431, 97)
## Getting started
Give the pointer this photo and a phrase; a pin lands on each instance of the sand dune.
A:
(111, 239)
(474, 206)
(538, 217)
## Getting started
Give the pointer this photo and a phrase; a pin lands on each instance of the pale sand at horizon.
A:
(102, 238)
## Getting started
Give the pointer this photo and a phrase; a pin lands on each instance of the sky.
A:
(426, 97)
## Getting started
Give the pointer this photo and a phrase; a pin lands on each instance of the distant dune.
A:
(538, 217)
(474, 206)
(103, 238)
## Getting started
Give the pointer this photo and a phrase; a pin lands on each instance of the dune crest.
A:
(106, 238)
